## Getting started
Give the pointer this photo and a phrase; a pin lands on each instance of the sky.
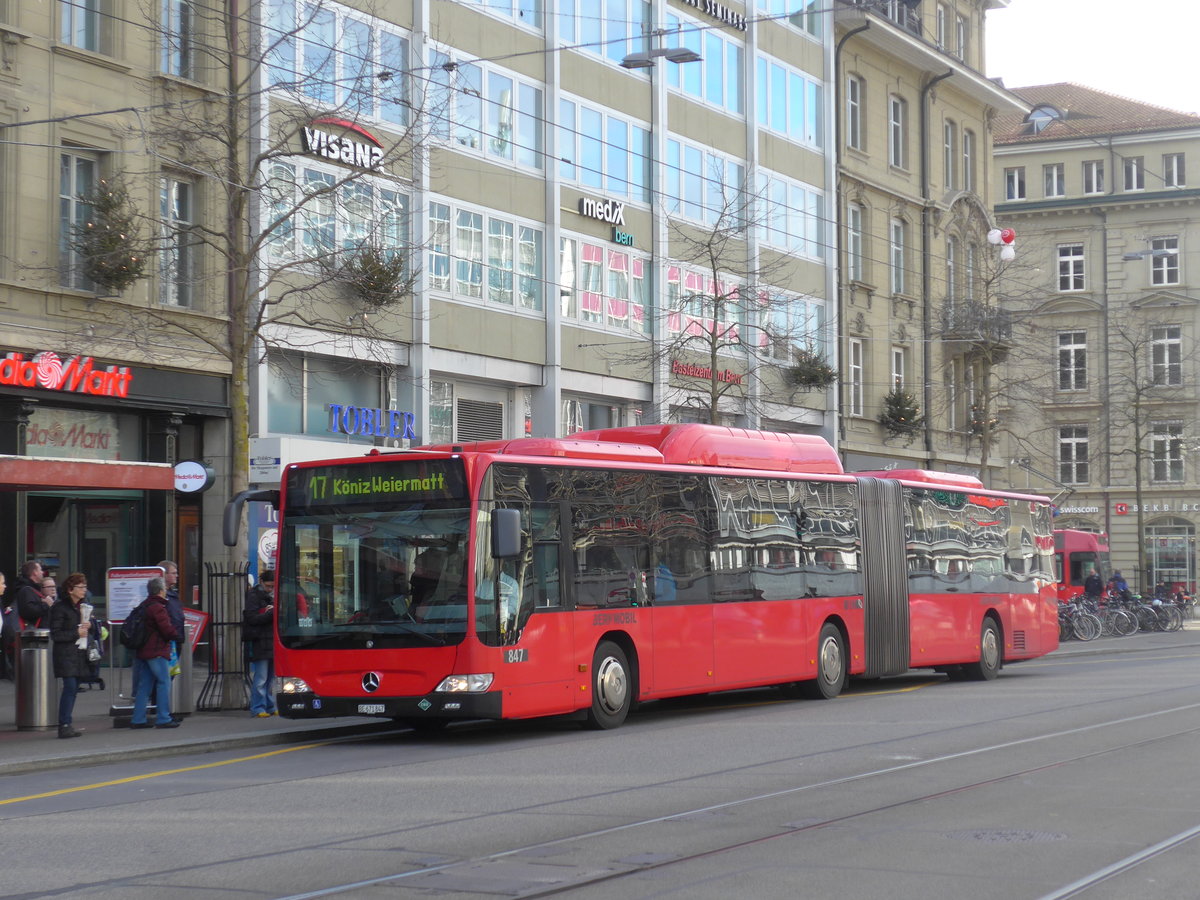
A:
(1146, 50)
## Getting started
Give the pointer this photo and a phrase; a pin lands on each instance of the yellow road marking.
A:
(134, 778)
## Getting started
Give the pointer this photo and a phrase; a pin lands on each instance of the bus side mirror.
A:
(506, 533)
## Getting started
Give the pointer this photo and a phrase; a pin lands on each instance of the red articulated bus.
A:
(1076, 555)
(535, 577)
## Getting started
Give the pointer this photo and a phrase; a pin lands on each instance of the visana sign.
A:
(317, 142)
(46, 370)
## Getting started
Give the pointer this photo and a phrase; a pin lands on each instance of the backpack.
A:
(133, 630)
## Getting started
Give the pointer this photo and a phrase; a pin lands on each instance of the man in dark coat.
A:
(152, 661)
(1093, 585)
(258, 636)
(32, 605)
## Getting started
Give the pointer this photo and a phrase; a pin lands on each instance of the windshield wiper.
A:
(385, 628)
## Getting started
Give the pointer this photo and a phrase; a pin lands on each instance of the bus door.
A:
(682, 611)
(535, 629)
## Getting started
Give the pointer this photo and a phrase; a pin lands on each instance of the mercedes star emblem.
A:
(370, 682)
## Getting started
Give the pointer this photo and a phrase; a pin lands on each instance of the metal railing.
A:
(226, 686)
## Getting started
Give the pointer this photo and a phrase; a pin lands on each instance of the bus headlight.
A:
(294, 686)
(465, 684)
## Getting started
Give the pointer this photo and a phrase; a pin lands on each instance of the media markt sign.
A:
(79, 374)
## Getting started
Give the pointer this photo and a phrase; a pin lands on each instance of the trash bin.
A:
(36, 709)
(183, 696)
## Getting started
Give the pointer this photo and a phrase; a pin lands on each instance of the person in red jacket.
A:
(152, 661)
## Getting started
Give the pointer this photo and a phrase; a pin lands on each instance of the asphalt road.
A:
(1069, 776)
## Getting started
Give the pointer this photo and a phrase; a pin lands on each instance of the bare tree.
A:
(722, 307)
(240, 229)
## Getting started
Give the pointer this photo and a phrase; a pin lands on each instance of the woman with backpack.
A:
(68, 631)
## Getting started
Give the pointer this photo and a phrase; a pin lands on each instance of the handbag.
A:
(93, 653)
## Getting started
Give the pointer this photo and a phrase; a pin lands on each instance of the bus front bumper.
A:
(431, 706)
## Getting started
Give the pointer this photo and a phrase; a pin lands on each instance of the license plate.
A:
(370, 709)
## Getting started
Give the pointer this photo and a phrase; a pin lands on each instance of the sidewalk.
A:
(203, 731)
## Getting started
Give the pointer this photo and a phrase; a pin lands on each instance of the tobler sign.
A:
(366, 154)
(79, 374)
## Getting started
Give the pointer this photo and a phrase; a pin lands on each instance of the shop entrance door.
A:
(108, 535)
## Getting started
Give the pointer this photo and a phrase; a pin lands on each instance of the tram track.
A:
(482, 862)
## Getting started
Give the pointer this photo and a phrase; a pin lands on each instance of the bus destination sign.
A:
(385, 482)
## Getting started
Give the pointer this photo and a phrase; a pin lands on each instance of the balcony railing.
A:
(977, 323)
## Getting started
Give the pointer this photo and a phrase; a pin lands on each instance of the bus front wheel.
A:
(831, 665)
(612, 687)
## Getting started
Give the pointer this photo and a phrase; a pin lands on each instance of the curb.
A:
(202, 745)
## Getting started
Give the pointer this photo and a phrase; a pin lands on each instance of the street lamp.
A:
(644, 59)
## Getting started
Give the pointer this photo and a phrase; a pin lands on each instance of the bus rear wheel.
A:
(990, 653)
(831, 665)
(612, 687)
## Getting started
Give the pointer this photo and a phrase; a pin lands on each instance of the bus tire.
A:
(612, 687)
(991, 653)
(832, 665)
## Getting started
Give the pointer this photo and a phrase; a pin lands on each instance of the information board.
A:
(127, 588)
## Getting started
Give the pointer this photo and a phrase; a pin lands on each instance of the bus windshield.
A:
(375, 559)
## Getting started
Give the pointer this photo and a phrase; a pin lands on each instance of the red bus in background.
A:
(536, 576)
(1076, 555)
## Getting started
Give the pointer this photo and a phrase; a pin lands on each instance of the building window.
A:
(317, 217)
(178, 38)
(600, 150)
(524, 12)
(704, 186)
(469, 250)
(791, 323)
(175, 261)
(300, 388)
(791, 219)
(1014, 183)
(897, 252)
(487, 110)
(1166, 452)
(1135, 174)
(899, 366)
(970, 272)
(951, 270)
(940, 16)
(1073, 454)
(80, 21)
(1053, 180)
(855, 387)
(1164, 260)
(1173, 171)
(603, 287)
(335, 57)
(854, 242)
(962, 29)
(77, 176)
(1072, 361)
(968, 160)
(1070, 267)
(950, 154)
(897, 132)
(789, 101)
(854, 112)
(717, 77)
(1093, 176)
(1166, 355)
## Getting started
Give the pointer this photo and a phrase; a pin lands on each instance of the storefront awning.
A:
(39, 473)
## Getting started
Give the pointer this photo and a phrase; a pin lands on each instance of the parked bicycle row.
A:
(1118, 614)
